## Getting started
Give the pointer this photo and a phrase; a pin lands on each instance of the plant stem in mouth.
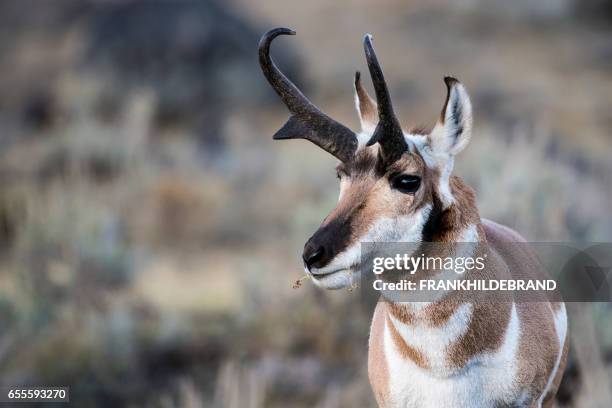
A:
(298, 283)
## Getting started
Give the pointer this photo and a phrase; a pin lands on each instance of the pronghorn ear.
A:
(366, 106)
(454, 128)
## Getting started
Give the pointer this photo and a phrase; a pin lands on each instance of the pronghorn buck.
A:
(397, 185)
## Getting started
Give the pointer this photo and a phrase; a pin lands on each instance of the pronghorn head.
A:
(395, 186)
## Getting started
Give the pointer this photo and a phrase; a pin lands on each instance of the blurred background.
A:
(151, 231)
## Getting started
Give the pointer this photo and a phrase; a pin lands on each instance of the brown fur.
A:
(539, 347)
(486, 332)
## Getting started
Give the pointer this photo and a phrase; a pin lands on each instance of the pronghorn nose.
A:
(312, 255)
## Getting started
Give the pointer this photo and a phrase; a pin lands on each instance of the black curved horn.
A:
(388, 132)
(306, 121)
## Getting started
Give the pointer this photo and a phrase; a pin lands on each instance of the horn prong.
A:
(306, 121)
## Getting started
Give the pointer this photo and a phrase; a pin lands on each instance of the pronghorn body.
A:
(396, 186)
(446, 354)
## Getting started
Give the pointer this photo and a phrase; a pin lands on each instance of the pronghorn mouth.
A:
(336, 279)
(324, 274)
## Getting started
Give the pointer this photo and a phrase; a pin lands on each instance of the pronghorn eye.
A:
(406, 183)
